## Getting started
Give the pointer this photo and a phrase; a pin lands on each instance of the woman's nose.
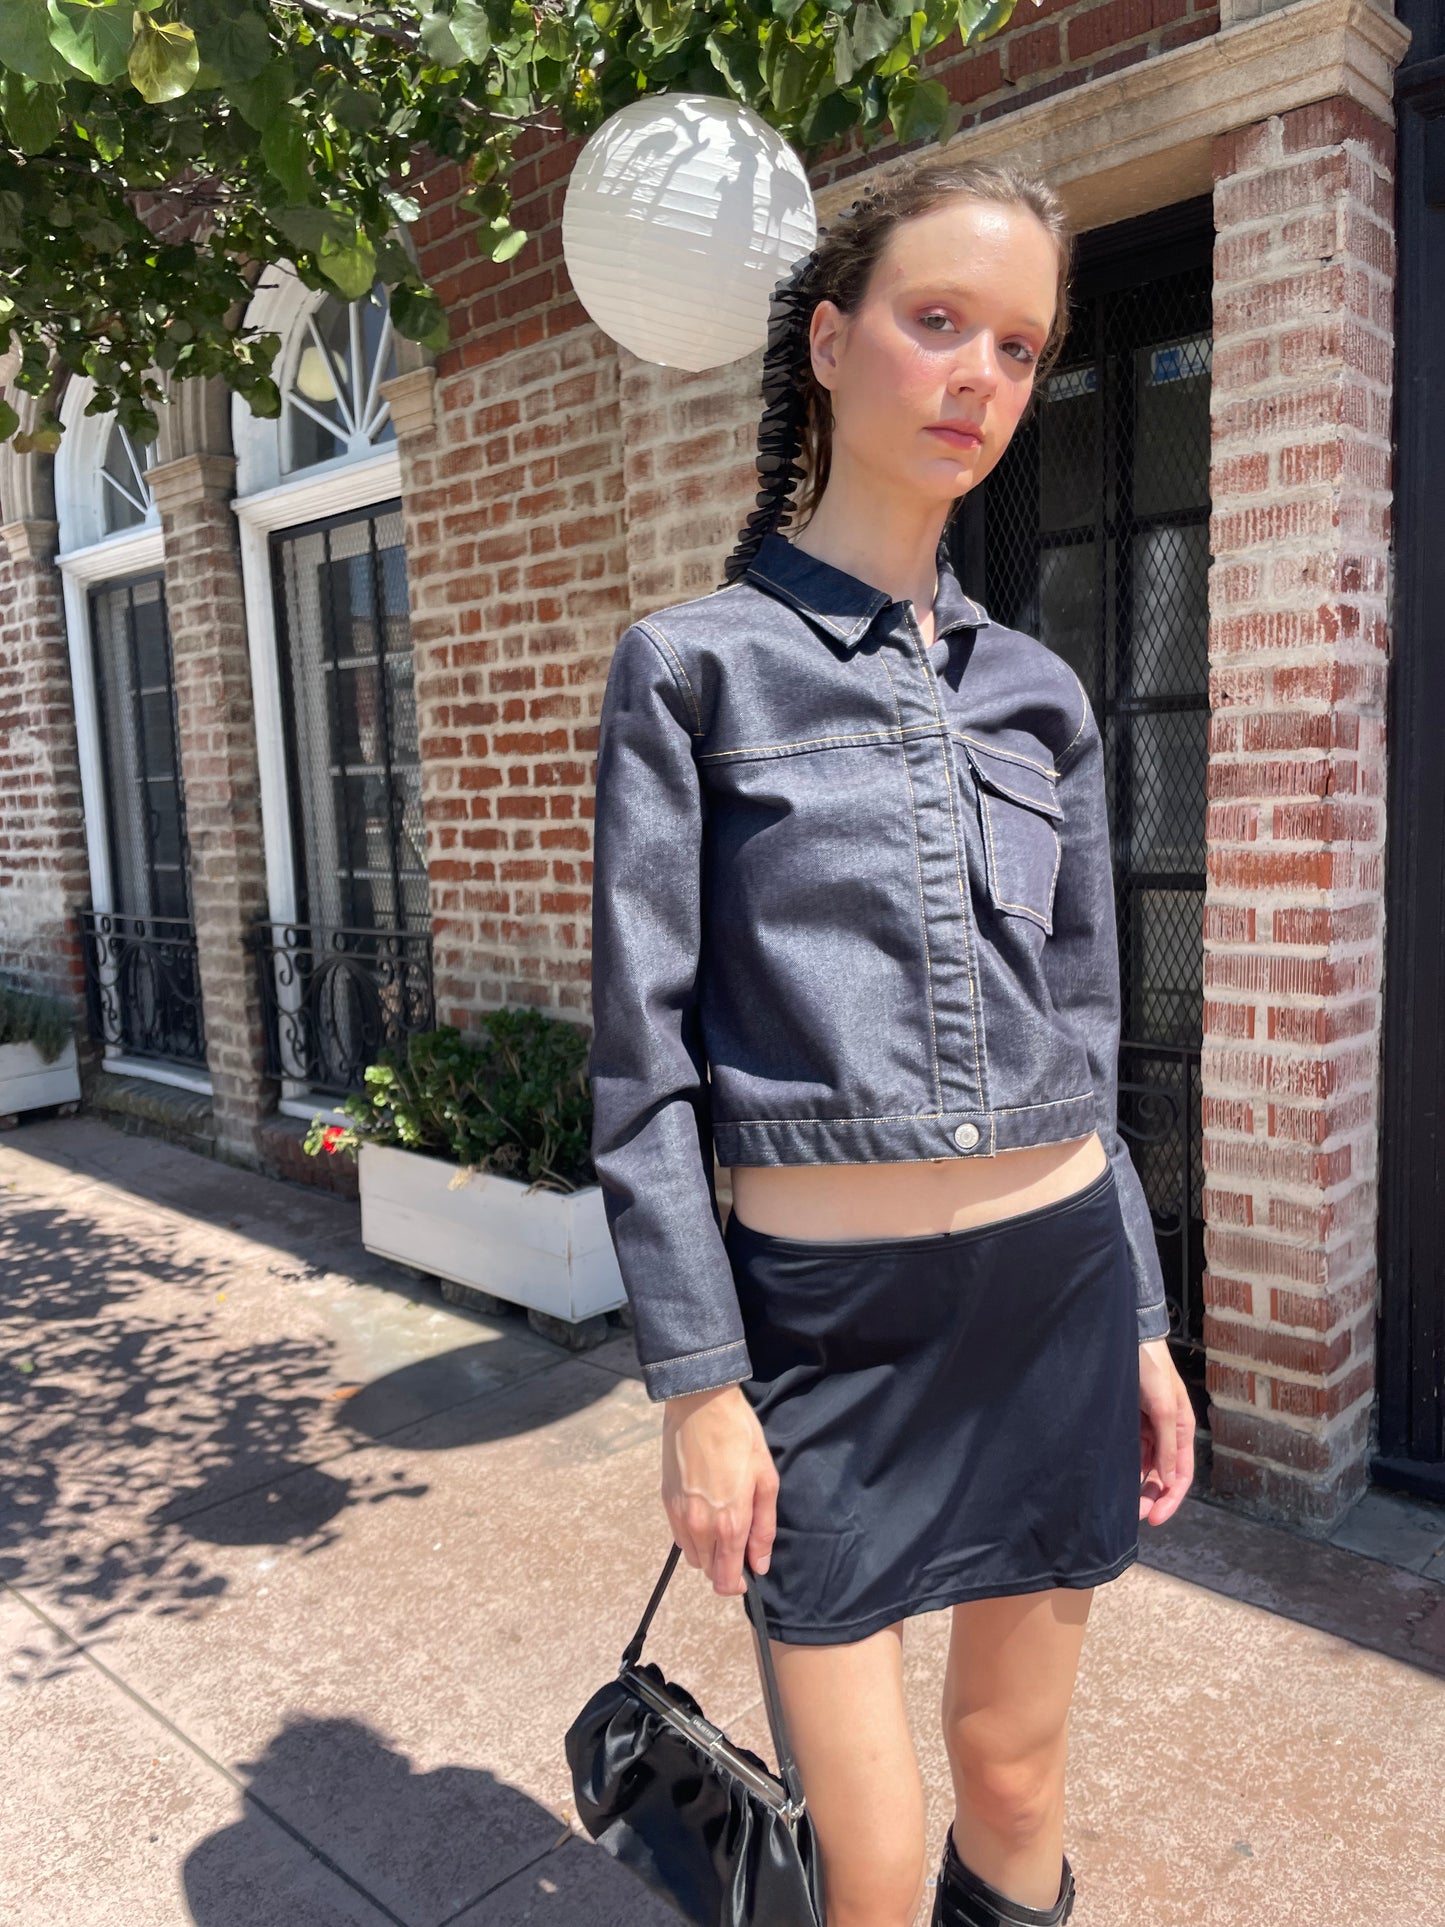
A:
(976, 364)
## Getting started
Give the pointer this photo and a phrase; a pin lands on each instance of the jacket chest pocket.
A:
(1019, 814)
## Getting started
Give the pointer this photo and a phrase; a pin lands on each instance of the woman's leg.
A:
(848, 1723)
(1010, 1677)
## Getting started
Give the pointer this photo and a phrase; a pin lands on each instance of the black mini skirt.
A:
(952, 1416)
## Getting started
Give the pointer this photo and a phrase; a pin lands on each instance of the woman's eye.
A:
(1025, 355)
(933, 315)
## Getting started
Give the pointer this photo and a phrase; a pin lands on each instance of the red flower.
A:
(332, 1136)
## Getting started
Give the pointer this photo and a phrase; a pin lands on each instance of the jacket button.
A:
(966, 1136)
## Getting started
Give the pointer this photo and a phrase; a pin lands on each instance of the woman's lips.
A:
(957, 435)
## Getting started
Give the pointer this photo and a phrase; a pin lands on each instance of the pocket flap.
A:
(1011, 776)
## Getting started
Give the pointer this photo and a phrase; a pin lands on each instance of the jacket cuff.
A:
(1153, 1322)
(701, 1371)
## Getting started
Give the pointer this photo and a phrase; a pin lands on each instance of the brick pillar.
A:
(206, 611)
(44, 876)
(1293, 920)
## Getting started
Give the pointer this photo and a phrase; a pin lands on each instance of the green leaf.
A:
(163, 60)
(25, 44)
(96, 39)
(31, 112)
(417, 315)
(259, 101)
(9, 420)
(472, 30)
(238, 47)
(977, 19)
(350, 267)
(356, 108)
(404, 208)
(866, 37)
(917, 108)
(735, 55)
(307, 227)
(439, 43)
(829, 117)
(286, 152)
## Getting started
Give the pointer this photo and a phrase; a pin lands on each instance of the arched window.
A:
(334, 357)
(340, 356)
(126, 501)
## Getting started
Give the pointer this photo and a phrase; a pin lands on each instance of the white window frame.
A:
(354, 481)
(83, 561)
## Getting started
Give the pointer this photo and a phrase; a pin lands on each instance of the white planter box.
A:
(27, 1081)
(548, 1250)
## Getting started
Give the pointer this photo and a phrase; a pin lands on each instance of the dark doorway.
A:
(1093, 534)
(1412, 1143)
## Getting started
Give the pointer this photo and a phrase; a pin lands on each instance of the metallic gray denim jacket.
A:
(853, 903)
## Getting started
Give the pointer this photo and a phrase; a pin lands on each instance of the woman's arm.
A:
(651, 1134)
(651, 1131)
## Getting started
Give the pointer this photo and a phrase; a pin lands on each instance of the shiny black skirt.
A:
(952, 1416)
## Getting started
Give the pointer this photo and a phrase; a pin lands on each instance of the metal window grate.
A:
(1093, 534)
(145, 803)
(142, 971)
(355, 769)
(354, 970)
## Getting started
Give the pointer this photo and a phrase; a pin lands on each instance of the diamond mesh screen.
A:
(1093, 534)
(145, 808)
(354, 765)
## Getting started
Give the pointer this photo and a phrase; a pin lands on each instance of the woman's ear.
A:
(825, 331)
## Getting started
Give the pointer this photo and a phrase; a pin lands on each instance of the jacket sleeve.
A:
(1081, 961)
(651, 1119)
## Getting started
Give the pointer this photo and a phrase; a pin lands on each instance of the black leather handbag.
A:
(702, 1821)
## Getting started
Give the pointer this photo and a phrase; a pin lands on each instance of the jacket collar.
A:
(842, 606)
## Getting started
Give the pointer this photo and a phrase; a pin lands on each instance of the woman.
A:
(853, 930)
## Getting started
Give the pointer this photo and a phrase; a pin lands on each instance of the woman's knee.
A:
(1015, 1792)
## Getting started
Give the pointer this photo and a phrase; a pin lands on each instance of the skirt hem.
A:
(948, 1595)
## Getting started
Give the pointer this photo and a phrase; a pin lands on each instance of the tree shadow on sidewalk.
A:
(134, 1409)
(390, 1843)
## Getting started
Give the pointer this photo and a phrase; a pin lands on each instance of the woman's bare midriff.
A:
(912, 1199)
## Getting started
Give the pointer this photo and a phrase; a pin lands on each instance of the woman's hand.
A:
(719, 1484)
(1166, 1434)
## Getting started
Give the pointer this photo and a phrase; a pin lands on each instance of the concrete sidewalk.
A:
(307, 1574)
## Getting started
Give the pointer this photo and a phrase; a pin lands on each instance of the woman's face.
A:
(930, 374)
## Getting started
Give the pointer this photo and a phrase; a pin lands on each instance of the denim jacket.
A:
(853, 902)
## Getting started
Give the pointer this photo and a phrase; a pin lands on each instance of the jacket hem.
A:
(901, 1140)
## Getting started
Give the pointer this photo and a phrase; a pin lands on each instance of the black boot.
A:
(962, 1899)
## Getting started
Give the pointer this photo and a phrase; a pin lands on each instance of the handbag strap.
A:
(772, 1700)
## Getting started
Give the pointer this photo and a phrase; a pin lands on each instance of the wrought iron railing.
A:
(332, 998)
(143, 985)
(1159, 1120)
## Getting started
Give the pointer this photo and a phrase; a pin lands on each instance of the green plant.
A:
(31, 1017)
(154, 152)
(512, 1098)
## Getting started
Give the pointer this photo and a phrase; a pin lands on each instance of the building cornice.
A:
(1142, 138)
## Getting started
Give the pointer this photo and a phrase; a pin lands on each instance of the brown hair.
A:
(796, 424)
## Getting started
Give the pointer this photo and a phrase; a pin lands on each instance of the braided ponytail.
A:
(784, 422)
(795, 438)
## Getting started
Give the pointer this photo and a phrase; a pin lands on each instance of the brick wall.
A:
(44, 874)
(518, 573)
(205, 610)
(1293, 923)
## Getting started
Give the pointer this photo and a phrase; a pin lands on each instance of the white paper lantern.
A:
(681, 214)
